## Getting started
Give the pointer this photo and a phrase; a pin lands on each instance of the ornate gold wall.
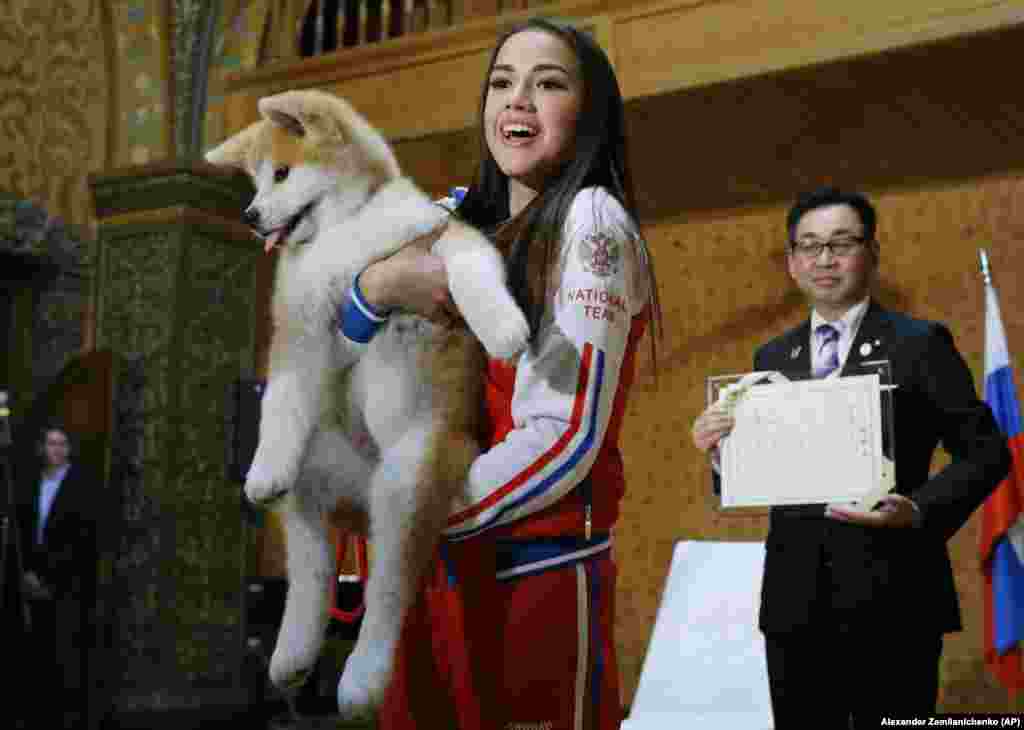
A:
(88, 85)
(55, 102)
(141, 80)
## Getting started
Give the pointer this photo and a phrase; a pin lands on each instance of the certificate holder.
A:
(799, 440)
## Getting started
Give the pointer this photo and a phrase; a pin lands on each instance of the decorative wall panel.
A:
(54, 103)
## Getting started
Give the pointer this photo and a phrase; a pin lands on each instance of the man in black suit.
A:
(854, 604)
(60, 550)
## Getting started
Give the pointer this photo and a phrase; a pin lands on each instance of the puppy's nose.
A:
(251, 217)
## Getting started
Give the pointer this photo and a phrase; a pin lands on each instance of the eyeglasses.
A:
(839, 247)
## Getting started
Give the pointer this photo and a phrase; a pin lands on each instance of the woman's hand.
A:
(711, 426)
(413, 280)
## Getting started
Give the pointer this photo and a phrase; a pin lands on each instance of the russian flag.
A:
(1002, 537)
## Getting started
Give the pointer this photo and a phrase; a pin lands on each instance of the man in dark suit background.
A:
(59, 537)
(854, 604)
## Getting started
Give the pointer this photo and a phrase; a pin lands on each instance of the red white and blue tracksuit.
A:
(514, 628)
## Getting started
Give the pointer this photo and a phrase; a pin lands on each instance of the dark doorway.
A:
(6, 305)
(21, 276)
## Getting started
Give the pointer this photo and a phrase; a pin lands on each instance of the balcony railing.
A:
(329, 25)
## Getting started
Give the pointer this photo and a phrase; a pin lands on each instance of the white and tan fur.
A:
(377, 438)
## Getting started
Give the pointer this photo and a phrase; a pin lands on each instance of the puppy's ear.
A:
(234, 151)
(285, 111)
(306, 113)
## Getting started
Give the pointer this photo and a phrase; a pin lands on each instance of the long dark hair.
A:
(530, 241)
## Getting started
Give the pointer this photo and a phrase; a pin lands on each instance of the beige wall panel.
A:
(686, 44)
(725, 291)
(438, 163)
(935, 234)
(657, 47)
(403, 102)
(239, 112)
(717, 168)
(414, 101)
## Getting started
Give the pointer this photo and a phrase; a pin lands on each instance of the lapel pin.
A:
(865, 349)
(796, 352)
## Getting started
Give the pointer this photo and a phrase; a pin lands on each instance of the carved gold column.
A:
(175, 304)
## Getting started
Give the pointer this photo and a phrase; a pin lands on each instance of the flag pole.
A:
(986, 272)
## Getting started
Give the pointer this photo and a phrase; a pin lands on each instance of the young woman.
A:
(515, 629)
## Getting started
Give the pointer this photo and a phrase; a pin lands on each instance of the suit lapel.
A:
(796, 357)
(33, 506)
(873, 340)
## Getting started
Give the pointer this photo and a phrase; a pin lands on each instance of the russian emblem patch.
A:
(600, 255)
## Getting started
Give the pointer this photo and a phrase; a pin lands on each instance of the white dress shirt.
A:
(48, 489)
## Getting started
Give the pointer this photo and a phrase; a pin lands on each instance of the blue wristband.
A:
(359, 321)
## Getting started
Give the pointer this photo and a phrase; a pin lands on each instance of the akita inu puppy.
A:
(377, 437)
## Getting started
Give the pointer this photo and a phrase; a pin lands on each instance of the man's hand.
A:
(894, 510)
(711, 426)
(34, 588)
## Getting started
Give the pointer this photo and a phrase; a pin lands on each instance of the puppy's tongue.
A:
(271, 240)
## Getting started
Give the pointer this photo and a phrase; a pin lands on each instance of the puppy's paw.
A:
(506, 334)
(354, 711)
(496, 320)
(479, 291)
(289, 669)
(363, 682)
(265, 487)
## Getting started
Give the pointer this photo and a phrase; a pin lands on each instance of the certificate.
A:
(804, 442)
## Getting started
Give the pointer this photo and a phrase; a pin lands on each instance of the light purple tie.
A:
(828, 350)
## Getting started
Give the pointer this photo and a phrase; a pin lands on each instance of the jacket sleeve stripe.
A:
(561, 449)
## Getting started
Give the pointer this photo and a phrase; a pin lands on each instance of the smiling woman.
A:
(533, 101)
(520, 609)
